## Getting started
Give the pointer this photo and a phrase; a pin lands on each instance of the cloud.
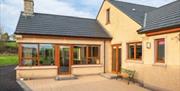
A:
(10, 10)
(60, 8)
(9, 13)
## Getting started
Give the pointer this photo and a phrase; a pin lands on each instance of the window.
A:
(131, 51)
(160, 50)
(79, 54)
(29, 54)
(86, 54)
(93, 55)
(134, 50)
(46, 54)
(108, 16)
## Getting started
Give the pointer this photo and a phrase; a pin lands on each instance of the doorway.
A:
(65, 59)
(116, 58)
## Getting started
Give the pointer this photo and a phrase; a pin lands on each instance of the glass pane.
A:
(46, 54)
(114, 59)
(29, 50)
(119, 59)
(64, 58)
(138, 51)
(79, 54)
(131, 51)
(160, 51)
(27, 62)
(29, 54)
(93, 57)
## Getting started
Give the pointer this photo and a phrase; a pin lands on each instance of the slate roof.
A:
(150, 18)
(134, 11)
(165, 16)
(46, 24)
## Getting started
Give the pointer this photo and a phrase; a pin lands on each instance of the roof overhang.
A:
(159, 31)
(62, 36)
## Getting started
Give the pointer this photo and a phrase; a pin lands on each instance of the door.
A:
(64, 64)
(116, 58)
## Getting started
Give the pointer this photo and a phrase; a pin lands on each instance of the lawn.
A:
(8, 60)
(9, 44)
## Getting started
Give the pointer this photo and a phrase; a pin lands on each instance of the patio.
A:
(83, 83)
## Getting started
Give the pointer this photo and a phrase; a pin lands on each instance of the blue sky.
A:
(10, 9)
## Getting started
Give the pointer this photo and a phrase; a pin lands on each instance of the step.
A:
(65, 77)
(109, 75)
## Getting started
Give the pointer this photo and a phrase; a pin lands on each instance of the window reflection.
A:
(29, 54)
(46, 54)
(79, 54)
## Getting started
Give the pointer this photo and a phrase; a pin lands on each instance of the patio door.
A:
(64, 60)
(116, 58)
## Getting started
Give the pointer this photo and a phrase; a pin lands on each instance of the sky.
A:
(10, 9)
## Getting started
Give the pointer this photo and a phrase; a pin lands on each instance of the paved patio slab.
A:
(83, 83)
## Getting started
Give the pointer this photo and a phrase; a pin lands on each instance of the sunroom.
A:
(51, 45)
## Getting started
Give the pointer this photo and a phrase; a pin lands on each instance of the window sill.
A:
(35, 67)
(160, 64)
(134, 61)
(89, 65)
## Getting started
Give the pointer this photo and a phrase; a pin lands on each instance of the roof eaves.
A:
(64, 35)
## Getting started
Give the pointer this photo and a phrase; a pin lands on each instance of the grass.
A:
(12, 44)
(8, 60)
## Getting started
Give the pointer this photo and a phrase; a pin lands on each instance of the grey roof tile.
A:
(134, 11)
(165, 16)
(46, 24)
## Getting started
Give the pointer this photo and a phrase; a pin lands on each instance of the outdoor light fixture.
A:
(148, 45)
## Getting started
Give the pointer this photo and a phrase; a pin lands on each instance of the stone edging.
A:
(23, 85)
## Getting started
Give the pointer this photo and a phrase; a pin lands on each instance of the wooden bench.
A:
(126, 74)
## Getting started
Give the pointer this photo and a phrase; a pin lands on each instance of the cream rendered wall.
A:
(81, 69)
(122, 28)
(165, 76)
(156, 76)
(36, 72)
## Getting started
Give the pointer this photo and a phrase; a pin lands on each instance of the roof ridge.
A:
(64, 16)
(134, 3)
(163, 6)
(168, 4)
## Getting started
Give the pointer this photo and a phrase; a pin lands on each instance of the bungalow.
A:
(124, 35)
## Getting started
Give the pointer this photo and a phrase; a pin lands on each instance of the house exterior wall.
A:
(120, 26)
(75, 69)
(155, 76)
(36, 72)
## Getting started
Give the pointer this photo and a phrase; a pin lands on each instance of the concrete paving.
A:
(83, 83)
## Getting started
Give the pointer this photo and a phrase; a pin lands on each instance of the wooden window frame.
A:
(56, 53)
(156, 49)
(20, 52)
(108, 16)
(53, 46)
(87, 54)
(135, 51)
